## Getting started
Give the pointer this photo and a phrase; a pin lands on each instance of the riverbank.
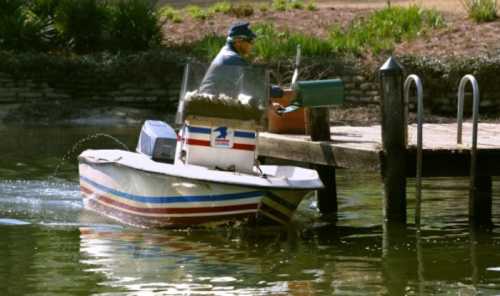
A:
(55, 113)
(53, 88)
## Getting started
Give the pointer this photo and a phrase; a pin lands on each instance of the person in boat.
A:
(225, 71)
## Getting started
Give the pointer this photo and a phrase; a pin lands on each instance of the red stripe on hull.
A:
(85, 190)
(165, 221)
(163, 210)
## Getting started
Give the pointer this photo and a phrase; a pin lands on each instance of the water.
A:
(49, 245)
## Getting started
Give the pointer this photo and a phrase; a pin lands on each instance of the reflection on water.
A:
(49, 245)
(228, 262)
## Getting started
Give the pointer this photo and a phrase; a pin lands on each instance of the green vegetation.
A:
(380, 31)
(82, 26)
(21, 28)
(263, 8)
(239, 9)
(311, 5)
(481, 10)
(297, 4)
(221, 7)
(272, 44)
(242, 10)
(86, 26)
(208, 47)
(134, 26)
(377, 33)
(197, 12)
(280, 5)
(440, 76)
(102, 68)
(170, 13)
(284, 5)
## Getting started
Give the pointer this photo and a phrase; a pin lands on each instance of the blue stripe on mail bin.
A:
(241, 134)
(199, 130)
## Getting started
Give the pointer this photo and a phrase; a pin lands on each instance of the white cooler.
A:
(219, 143)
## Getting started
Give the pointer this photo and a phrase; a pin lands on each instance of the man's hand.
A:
(277, 108)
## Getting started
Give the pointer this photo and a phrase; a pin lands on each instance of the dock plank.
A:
(361, 148)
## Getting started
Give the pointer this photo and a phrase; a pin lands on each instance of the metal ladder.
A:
(420, 122)
(475, 118)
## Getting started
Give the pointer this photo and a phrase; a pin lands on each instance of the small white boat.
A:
(135, 189)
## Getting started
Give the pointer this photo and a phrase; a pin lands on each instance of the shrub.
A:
(134, 26)
(208, 47)
(272, 44)
(297, 4)
(44, 8)
(384, 28)
(441, 76)
(279, 5)
(311, 5)
(170, 13)
(20, 28)
(221, 7)
(82, 24)
(284, 5)
(269, 45)
(263, 8)
(481, 10)
(197, 12)
(242, 10)
(45, 11)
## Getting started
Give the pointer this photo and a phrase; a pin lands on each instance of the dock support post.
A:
(398, 260)
(393, 141)
(480, 201)
(319, 129)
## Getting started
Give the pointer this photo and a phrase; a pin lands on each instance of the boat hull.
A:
(148, 199)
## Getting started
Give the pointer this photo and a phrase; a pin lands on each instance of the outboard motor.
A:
(157, 140)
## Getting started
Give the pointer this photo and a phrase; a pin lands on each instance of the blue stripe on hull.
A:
(175, 198)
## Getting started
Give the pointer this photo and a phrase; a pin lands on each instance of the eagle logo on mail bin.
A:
(222, 137)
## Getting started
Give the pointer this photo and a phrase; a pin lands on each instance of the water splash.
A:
(80, 142)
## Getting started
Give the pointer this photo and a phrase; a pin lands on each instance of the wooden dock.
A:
(391, 148)
(360, 147)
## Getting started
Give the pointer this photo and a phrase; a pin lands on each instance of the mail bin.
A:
(319, 93)
(289, 123)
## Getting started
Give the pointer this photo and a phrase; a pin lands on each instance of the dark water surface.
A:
(49, 245)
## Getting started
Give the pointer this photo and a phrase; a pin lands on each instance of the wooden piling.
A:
(393, 141)
(319, 130)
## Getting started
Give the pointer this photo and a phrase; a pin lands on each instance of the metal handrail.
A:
(475, 118)
(475, 107)
(420, 122)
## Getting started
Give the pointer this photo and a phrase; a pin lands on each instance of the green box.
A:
(320, 93)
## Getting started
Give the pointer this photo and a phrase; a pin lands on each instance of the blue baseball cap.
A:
(240, 30)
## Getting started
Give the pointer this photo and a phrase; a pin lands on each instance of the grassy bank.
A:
(89, 26)
(377, 33)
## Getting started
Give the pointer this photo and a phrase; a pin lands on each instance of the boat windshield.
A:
(229, 91)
